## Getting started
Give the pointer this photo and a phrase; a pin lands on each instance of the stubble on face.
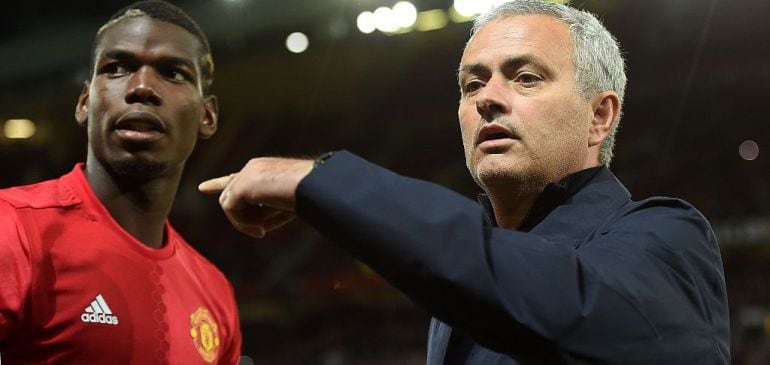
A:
(493, 169)
(139, 168)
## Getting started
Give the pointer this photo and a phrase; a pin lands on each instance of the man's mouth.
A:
(491, 133)
(496, 136)
(139, 127)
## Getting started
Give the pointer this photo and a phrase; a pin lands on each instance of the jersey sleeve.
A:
(15, 270)
(231, 353)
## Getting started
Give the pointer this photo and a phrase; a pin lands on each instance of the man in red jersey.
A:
(93, 273)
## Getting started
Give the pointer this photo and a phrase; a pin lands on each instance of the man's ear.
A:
(209, 123)
(81, 108)
(606, 107)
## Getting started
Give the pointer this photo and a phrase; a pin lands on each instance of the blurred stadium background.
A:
(382, 84)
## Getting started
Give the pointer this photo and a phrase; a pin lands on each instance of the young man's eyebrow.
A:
(177, 61)
(118, 54)
(122, 55)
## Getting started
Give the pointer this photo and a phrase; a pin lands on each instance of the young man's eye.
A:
(114, 70)
(176, 75)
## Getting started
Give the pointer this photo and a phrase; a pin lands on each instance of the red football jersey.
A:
(78, 289)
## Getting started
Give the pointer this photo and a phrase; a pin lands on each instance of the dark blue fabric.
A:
(598, 279)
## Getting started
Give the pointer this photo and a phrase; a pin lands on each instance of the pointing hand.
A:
(261, 197)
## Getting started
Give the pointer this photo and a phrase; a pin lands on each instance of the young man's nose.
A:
(143, 87)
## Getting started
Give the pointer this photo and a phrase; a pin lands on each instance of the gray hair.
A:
(599, 65)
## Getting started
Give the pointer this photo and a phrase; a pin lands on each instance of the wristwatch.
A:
(320, 160)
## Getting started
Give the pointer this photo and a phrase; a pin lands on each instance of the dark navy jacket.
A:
(592, 278)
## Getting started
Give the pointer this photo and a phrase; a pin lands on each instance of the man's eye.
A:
(528, 79)
(472, 86)
(114, 70)
(175, 75)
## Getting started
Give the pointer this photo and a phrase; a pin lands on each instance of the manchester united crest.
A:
(205, 333)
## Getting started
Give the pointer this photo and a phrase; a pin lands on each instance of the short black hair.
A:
(166, 12)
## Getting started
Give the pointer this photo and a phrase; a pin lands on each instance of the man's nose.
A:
(492, 99)
(142, 88)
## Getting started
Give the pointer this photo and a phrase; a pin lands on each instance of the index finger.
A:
(216, 185)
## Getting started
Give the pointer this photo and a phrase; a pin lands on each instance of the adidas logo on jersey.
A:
(99, 312)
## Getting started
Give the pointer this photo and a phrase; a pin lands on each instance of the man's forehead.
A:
(542, 35)
(130, 13)
(143, 33)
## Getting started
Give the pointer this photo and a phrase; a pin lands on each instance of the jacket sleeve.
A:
(15, 271)
(632, 292)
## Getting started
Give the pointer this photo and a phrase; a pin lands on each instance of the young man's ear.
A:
(606, 107)
(81, 108)
(209, 123)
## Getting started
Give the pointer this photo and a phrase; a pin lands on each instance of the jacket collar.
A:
(591, 192)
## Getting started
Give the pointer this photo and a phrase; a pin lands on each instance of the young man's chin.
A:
(138, 168)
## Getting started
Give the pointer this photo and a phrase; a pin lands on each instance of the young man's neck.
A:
(139, 206)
